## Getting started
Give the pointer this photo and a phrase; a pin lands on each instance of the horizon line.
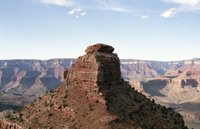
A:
(29, 59)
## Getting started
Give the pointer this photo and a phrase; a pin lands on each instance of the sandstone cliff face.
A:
(95, 97)
(188, 77)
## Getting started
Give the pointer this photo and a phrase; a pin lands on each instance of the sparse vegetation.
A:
(65, 105)
(10, 116)
(46, 103)
(66, 95)
(32, 104)
(91, 107)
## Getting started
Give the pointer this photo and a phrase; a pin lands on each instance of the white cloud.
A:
(145, 17)
(83, 13)
(77, 12)
(186, 2)
(58, 2)
(76, 6)
(117, 9)
(169, 13)
(182, 6)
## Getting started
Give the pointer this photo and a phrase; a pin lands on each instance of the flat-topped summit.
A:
(99, 47)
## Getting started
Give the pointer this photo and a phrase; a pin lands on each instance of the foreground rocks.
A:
(95, 97)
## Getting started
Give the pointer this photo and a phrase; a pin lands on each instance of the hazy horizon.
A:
(160, 30)
(81, 55)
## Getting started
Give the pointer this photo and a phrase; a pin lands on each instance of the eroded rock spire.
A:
(99, 66)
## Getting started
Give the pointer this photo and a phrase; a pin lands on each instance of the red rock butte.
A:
(99, 66)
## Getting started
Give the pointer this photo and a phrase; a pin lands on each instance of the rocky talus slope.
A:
(94, 96)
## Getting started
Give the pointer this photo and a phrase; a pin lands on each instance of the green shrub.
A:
(65, 105)
(91, 107)
(50, 114)
(10, 116)
(46, 104)
(66, 95)
(32, 104)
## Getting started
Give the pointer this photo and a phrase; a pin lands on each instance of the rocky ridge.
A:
(95, 96)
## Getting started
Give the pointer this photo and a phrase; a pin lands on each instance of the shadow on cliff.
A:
(121, 98)
(153, 87)
(4, 107)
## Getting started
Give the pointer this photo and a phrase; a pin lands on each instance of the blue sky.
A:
(138, 29)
